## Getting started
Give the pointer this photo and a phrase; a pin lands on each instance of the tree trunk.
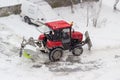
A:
(114, 6)
(95, 20)
(87, 14)
(81, 1)
(72, 6)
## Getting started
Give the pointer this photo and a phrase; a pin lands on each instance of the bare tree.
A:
(115, 4)
(87, 14)
(81, 1)
(72, 10)
(95, 19)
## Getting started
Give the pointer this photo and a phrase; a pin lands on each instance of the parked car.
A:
(37, 12)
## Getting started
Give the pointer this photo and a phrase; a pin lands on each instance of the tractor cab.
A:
(59, 32)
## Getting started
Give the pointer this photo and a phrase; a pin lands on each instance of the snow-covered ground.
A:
(101, 63)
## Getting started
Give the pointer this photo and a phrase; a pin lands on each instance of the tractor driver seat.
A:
(65, 40)
(51, 34)
(65, 37)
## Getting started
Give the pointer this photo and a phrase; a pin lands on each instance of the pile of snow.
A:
(21, 28)
(111, 3)
(38, 10)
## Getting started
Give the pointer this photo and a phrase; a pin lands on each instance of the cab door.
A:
(65, 38)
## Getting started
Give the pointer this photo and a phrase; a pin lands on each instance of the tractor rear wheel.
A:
(77, 51)
(55, 54)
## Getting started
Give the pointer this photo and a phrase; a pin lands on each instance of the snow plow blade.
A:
(21, 48)
(31, 42)
(88, 40)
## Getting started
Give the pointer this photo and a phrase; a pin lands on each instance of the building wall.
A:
(5, 11)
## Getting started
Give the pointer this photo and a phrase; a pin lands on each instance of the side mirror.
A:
(71, 23)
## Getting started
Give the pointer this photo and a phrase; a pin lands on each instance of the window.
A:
(44, 29)
(66, 30)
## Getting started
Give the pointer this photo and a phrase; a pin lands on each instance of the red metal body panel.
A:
(41, 37)
(77, 35)
(58, 25)
(52, 44)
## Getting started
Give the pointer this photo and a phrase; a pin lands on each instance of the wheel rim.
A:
(78, 51)
(57, 55)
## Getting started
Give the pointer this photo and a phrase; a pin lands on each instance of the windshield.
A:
(44, 29)
(66, 30)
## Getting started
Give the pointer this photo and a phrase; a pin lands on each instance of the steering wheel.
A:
(47, 36)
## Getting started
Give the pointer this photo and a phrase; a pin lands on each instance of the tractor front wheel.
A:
(77, 51)
(55, 54)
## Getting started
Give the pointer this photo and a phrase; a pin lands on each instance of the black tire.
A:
(27, 20)
(77, 50)
(55, 54)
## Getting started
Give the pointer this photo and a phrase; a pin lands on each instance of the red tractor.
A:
(58, 36)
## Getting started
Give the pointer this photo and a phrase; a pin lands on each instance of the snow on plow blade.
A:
(88, 40)
(31, 42)
(26, 55)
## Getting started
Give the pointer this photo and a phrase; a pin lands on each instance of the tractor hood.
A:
(77, 35)
(41, 37)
